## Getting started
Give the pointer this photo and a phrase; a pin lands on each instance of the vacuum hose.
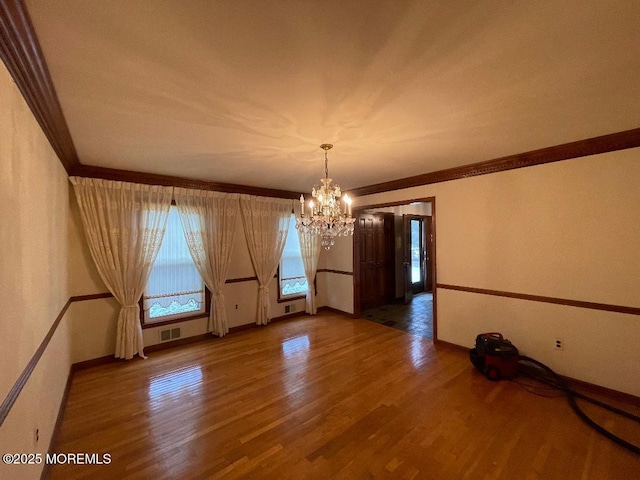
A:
(555, 380)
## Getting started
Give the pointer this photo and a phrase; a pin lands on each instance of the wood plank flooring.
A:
(326, 397)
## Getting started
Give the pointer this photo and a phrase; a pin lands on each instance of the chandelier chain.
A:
(326, 165)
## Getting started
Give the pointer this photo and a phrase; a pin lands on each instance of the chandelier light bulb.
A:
(347, 200)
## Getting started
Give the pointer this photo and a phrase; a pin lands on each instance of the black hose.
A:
(559, 382)
(611, 408)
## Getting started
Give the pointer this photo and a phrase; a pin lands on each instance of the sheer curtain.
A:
(292, 277)
(310, 252)
(124, 224)
(209, 223)
(174, 276)
(266, 224)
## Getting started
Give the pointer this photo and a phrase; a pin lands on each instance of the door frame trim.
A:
(356, 254)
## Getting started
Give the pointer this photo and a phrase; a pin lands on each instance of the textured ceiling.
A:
(245, 91)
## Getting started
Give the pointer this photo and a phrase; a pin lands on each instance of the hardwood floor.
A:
(416, 317)
(326, 397)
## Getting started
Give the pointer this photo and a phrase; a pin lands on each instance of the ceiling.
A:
(244, 92)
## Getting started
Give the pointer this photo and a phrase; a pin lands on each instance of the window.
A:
(175, 288)
(291, 277)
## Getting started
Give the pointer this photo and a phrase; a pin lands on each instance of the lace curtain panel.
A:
(124, 224)
(209, 223)
(174, 282)
(266, 224)
(310, 252)
(292, 276)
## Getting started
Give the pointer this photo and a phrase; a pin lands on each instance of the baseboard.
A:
(452, 346)
(288, 316)
(176, 343)
(593, 389)
(94, 362)
(584, 387)
(179, 342)
(336, 311)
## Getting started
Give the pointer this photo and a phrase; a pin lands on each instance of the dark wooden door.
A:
(376, 265)
(428, 237)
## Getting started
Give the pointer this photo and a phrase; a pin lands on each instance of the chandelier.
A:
(324, 217)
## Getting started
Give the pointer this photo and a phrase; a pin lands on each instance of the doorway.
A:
(408, 249)
(417, 255)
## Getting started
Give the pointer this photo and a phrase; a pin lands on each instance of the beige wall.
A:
(335, 290)
(33, 277)
(569, 229)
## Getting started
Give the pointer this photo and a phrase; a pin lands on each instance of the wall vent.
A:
(169, 334)
(289, 308)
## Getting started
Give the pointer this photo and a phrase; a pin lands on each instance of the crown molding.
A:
(170, 181)
(566, 151)
(21, 53)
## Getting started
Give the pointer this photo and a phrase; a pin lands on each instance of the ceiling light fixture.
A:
(325, 217)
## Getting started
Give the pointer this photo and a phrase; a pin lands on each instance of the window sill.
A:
(291, 299)
(174, 320)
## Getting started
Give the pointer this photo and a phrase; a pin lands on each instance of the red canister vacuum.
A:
(495, 356)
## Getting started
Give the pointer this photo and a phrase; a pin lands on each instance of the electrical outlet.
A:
(559, 344)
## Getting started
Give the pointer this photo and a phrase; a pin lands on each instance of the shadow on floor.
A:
(415, 318)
